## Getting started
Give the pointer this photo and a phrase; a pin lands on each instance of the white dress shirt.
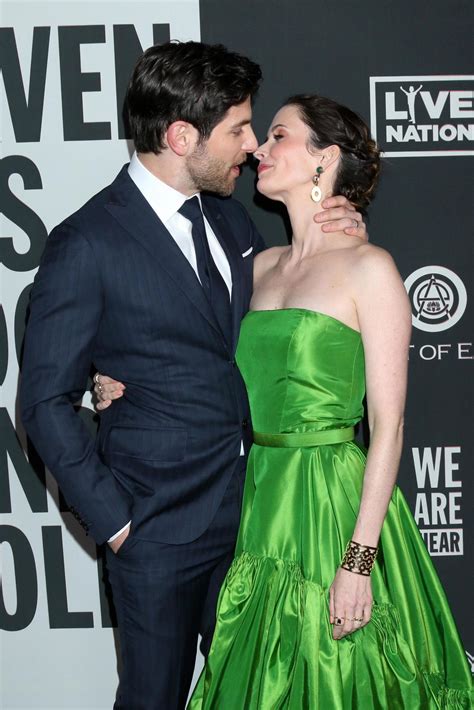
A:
(166, 201)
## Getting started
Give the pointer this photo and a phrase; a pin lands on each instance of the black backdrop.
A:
(422, 212)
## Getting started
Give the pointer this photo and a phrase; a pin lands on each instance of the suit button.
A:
(245, 423)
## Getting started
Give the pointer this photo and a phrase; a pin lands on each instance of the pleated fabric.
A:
(273, 647)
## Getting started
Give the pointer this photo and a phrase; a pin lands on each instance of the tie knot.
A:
(191, 209)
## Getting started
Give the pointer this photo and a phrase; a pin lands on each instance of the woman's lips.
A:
(263, 167)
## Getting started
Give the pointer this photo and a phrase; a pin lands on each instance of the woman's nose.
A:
(260, 152)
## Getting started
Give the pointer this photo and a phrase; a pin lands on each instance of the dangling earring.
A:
(316, 193)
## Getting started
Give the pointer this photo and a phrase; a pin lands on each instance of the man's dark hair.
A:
(185, 81)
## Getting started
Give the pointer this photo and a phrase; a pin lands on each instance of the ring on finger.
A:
(100, 387)
(96, 378)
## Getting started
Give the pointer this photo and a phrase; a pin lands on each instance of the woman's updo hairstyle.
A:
(331, 123)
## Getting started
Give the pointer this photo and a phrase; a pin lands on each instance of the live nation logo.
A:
(423, 115)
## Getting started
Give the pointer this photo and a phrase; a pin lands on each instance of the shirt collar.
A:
(163, 198)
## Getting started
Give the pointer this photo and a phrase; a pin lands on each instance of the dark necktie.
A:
(211, 278)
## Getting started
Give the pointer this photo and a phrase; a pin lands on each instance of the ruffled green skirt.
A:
(273, 646)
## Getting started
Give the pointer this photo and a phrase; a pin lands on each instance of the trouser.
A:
(165, 596)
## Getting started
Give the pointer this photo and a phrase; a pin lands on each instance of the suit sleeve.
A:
(65, 311)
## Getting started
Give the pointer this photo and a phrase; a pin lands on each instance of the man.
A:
(151, 290)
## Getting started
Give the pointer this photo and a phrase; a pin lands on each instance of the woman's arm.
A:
(385, 321)
(384, 317)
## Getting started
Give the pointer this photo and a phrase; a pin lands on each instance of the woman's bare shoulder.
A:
(267, 259)
(372, 259)
(378, 283)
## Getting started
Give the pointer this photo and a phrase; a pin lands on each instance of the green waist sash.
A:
(306, 438)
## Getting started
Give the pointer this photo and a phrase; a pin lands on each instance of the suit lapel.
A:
(222, 229)
(132, 211)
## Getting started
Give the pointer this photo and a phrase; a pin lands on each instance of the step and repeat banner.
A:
(64, 68)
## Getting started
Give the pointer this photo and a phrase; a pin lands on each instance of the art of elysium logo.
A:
(438, 298)
(423, 115)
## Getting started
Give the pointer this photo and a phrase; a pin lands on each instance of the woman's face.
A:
(286, 165)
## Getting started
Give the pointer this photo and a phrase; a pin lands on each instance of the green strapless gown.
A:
(273, 645)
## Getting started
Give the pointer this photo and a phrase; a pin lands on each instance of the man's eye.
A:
(237, 132)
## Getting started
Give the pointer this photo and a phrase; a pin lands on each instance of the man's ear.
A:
(181, 137)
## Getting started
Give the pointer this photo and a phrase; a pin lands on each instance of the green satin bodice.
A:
(304, 370)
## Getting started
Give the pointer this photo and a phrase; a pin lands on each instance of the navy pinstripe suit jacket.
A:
(114, 290)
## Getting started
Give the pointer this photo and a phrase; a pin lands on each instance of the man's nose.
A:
(251, 143)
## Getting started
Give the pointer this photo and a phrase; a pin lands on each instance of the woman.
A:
(307, 616)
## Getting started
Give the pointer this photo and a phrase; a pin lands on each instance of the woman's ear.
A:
(330, 155)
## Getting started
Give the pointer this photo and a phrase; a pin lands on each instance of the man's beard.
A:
(209, 173)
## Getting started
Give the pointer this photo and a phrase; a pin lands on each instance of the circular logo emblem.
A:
(438, 298)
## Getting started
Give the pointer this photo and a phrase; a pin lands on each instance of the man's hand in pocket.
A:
(118, 542)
